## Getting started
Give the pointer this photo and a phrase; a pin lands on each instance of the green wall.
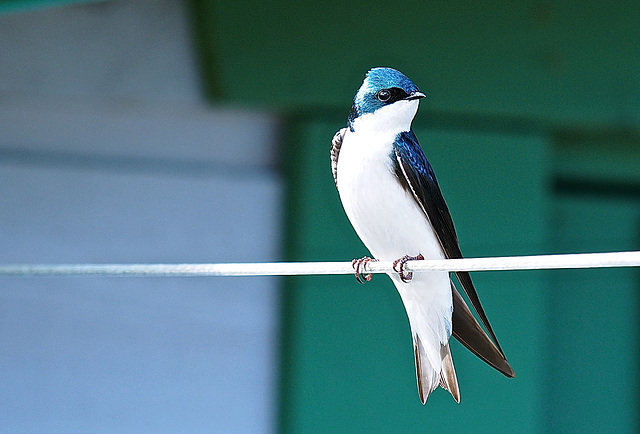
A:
(593, 368)
(15, 6)
(569, 60)
(533, 107)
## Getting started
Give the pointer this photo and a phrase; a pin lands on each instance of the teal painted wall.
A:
(593, 371)
(528, 102)
(17, 6)
(568, 60)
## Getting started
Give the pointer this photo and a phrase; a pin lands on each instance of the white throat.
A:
(394, 118)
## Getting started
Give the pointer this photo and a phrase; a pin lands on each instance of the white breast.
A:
(391, 224)
(385, 216)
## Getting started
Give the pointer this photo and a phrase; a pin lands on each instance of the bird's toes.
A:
(360, 266)
(398, 266)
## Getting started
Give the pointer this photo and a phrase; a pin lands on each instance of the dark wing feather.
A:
(336, 144)
(467, 330)
(416, 175)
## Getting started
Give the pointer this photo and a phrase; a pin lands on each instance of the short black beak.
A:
(415, 95)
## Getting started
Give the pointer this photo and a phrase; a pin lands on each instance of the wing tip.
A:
(468, 331)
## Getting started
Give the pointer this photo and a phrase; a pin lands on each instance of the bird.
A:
(390, 194)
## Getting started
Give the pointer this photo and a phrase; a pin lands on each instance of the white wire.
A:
(539, 262)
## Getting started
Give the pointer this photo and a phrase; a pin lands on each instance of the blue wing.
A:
(416, 175)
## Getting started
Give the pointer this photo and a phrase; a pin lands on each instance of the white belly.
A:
(384, 215)
(391, 224)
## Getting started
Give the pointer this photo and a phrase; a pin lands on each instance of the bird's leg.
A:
(360, 266)
(398, 266)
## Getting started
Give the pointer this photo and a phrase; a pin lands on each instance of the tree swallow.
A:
(391, 197)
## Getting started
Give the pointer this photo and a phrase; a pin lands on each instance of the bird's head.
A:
(388, 92)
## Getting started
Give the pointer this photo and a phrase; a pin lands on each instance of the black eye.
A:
(384, 95)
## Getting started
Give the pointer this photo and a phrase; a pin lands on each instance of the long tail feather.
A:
(428, 378)
(448, 378)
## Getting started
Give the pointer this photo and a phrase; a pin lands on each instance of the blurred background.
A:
(167, 131)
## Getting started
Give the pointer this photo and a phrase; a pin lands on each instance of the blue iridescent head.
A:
(382, 87)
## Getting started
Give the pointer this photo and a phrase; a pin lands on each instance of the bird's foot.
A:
(398, 266)
(360, 265)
